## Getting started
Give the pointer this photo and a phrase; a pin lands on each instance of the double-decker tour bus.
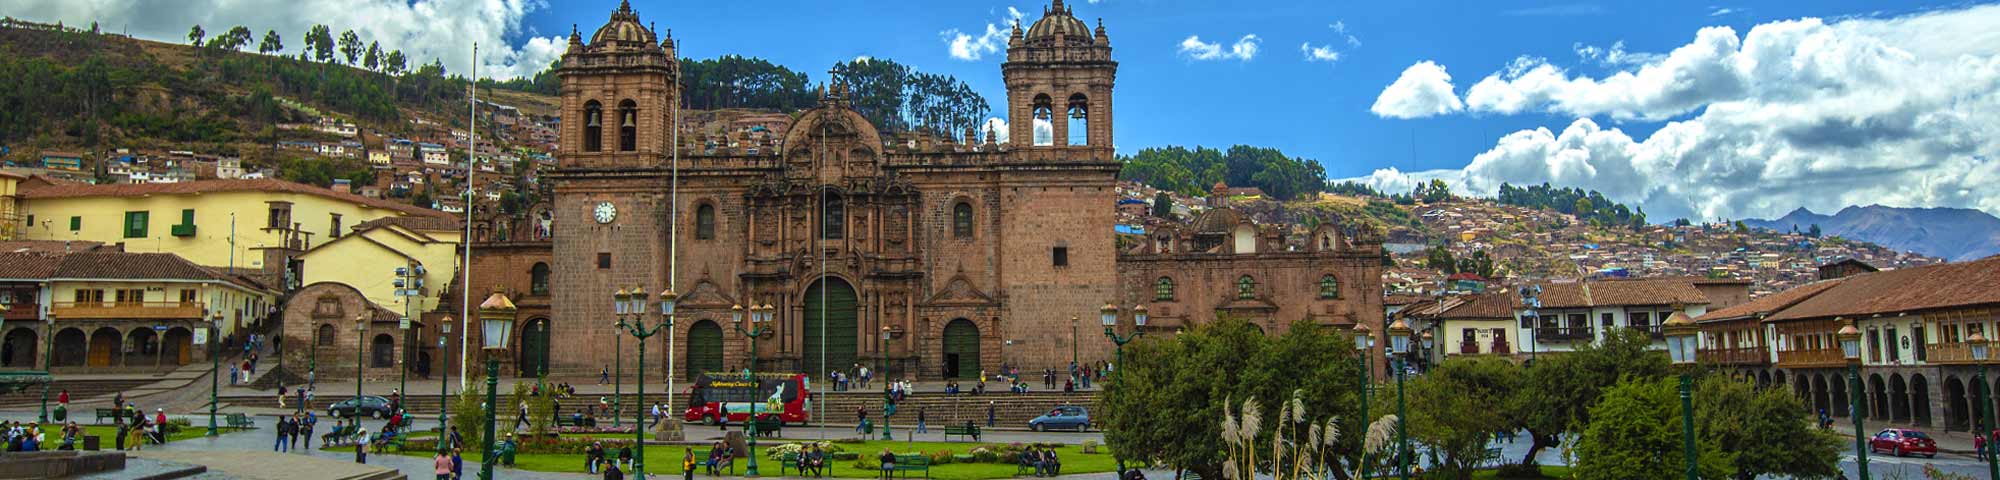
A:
(719, 398)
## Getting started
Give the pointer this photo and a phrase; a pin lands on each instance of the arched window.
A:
(1163, 290)
(1044, 121)
(628, 126)
(538, 279)
(1078, 130)
(382, 352)
(832, 224)
(961, 220)
(704, 222)
(593, 126)
(1329, 287)
(325, 337)
(1246, 287)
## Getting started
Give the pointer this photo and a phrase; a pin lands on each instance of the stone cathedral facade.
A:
(928, 259)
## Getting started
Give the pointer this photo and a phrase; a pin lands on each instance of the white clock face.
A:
(605, 212)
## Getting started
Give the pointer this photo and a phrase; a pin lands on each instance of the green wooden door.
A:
(831, 323)
(704, 349)
(961, 349)
(534, 353)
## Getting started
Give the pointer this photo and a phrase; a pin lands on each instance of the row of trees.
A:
(1478, 263)
(1194, 171)
(1588, 205)
(1613, 403)
(899, 98)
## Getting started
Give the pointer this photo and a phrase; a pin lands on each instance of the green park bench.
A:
(911, 463)
(969, 431)
(115, 414)
(769, 426)
(238, 421)
(790, 462)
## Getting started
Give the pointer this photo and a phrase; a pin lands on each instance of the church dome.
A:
(1217, 220)
(624, 28)
(1058, 21)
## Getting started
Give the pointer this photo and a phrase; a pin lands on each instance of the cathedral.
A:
(929, 259)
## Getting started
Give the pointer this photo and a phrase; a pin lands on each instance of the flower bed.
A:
(596, 429)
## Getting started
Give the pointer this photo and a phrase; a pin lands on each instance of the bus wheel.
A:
(713, 421)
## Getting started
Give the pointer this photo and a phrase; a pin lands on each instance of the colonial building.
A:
(110, 311)
(924, 257)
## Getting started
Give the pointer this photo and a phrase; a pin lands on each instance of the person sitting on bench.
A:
(812, 462)
(888, 464)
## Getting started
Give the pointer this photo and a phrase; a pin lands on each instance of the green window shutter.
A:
(135, 224)
(187, 216)
(75, 223)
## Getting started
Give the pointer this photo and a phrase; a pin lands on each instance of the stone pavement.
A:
(255, 465)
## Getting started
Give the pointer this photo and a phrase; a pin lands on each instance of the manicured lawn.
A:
(1547, 471)
(666, 460)
(108, 433)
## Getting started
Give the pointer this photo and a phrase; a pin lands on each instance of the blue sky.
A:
(1689, 109)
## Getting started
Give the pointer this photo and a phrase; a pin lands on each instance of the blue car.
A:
(1063, 417)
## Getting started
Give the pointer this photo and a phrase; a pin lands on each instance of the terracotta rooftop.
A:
(1769, 303)
(1485, 305)
(211, 186)
(53, 246)
(1637, 291)
(1904, 290)
(110, 266)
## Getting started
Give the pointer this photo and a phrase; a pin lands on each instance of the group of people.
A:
(301, 397)
(448, 466)
(135, 430)
(1980, 442)
(597, 460)
(28, 437)
(1043, 460)
(812, 461)
(842, 381)
(293, 429)
(720, 458)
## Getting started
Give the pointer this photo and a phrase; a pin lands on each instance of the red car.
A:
(1903, 441)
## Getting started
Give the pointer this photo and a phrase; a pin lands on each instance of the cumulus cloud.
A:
(970, 47)
(1330, 53)
(1244, 49)
(1423, 90)
(1615, 55)
(996, 125)
(424, 29)
(1898, 111)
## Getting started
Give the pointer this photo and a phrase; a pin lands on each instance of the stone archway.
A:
(104, 351)
(382, 351)
(961, 349)
(19, 350)
(1763, 379)
(1878, 398)
(1837, 398)
(1803, 388)
(532, 353)
(704, 349)
(1956, 401)
(72, 348)
(1899, 399)
(1819, 399)
(142, 347)
(177, 347)
(832, 324)
(1920, 401)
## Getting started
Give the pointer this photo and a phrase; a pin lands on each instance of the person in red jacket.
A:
(63, 398)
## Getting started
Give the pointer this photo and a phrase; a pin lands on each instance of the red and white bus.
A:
(729, 398)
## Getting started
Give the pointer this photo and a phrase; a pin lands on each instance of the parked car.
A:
(1903, 441)
(371, 405)
(1066, 416)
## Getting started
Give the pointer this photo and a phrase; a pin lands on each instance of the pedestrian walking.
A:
(860, 418)
(603, 375)
(920, 420)
(687, 464)
(441, 466)
(989, 414)
(284, 432)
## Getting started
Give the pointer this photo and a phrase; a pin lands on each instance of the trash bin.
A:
(90, 443)
(62, 413)
(867, 427)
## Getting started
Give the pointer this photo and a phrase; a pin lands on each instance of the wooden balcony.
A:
(1501, 348)
(126, 311)
(1468, 348)
(1734, 356)
(1561, 334)
(1822, 357)
(23, 311)
(1953, 353)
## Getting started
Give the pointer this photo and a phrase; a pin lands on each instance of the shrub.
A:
(985, 455)
(1518, 470)
(940, 457)
(962, 458)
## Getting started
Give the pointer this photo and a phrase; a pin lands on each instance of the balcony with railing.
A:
(1500, 347)
(1651, 331)
(1734, 356)
(126, 310)
(1951, 353)
(1808, 358)
(1468, 348)
(1565, 334)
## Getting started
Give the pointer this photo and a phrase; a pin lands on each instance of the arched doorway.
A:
(1955, 404)
(179, 346)
(704, 348)
(18, 351)
(1878, 398)
(1920, 393)
(1899, 399)
(424, 363)
(382, 351)
(961, 349)
(1819, 393)
(532, 356)
(1837, 401)
(832, 326)
(142, 347)
(104, 347)
(1803, 388)
(1763, 379)
(71, 348)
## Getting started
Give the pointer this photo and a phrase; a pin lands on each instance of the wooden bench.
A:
(115, 414)
(562, 421)
(969, 431)
(769, 427)
(791, 461)
(239, 421)
(339, 435)
(908, 463)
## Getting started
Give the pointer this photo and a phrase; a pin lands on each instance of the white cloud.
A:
(1329, 53)
(1423, 90)
(1900, 111)
(1244, 49)
(1615, 56)
(996, 125)
(1720, 11)
(507, 47)
(969, 47)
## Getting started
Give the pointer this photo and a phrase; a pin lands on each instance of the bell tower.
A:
(620, 90)
(1059, 75)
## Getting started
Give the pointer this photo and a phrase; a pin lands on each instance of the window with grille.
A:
(704, 222)
(961, 220)
(1246, 287)
(1164, 289)
(1329, 287)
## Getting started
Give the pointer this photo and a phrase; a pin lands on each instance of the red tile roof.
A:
(1913, 289)
(109, 266)
(1637, 291)
(1769, 303)
(209, 186)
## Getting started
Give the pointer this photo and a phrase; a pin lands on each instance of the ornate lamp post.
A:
(1681, 334)
(1979, 353)
(639, 331)
(1430, 342)
(623, 305)
(48, 362)
(1109, 317)
(1399, 346)
(888, 401)
(1850, 347)
(759, 315)
(1363, 340)
(360, 338)
(444, 347)
(214, 369)
(496, 319)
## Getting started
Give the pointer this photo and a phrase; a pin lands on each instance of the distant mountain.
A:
(1956, 234)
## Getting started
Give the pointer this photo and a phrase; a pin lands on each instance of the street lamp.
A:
(1979, 352)
(1399, 346)
(639, 331)
(1362, 342)
(48, 362)
(1429, 342)
(214, 369)
(1850, 347)
(444, 347)
(623, 304)
(759, 316)
(1072, 346)
(496, 319)
(888, 401)
(1109, 317)
(360, 339)
(1681, 333)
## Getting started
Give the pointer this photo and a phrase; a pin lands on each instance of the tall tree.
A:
(1637, 434)
(373, 58)
(396, 62)
(1741, 418)
(1559, 390)
(1163, 205)
(234, 39)
(1441, 399)
(272, 43)
(195, 35)
(320, 40)
(350, 46)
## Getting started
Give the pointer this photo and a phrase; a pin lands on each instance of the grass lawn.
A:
(666, 460)
(1547, 471)
(107, 434)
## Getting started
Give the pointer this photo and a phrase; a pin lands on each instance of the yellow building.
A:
(273, 220)
(131, 311)
(368, 257)
(10, 220)
(1469, 325)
